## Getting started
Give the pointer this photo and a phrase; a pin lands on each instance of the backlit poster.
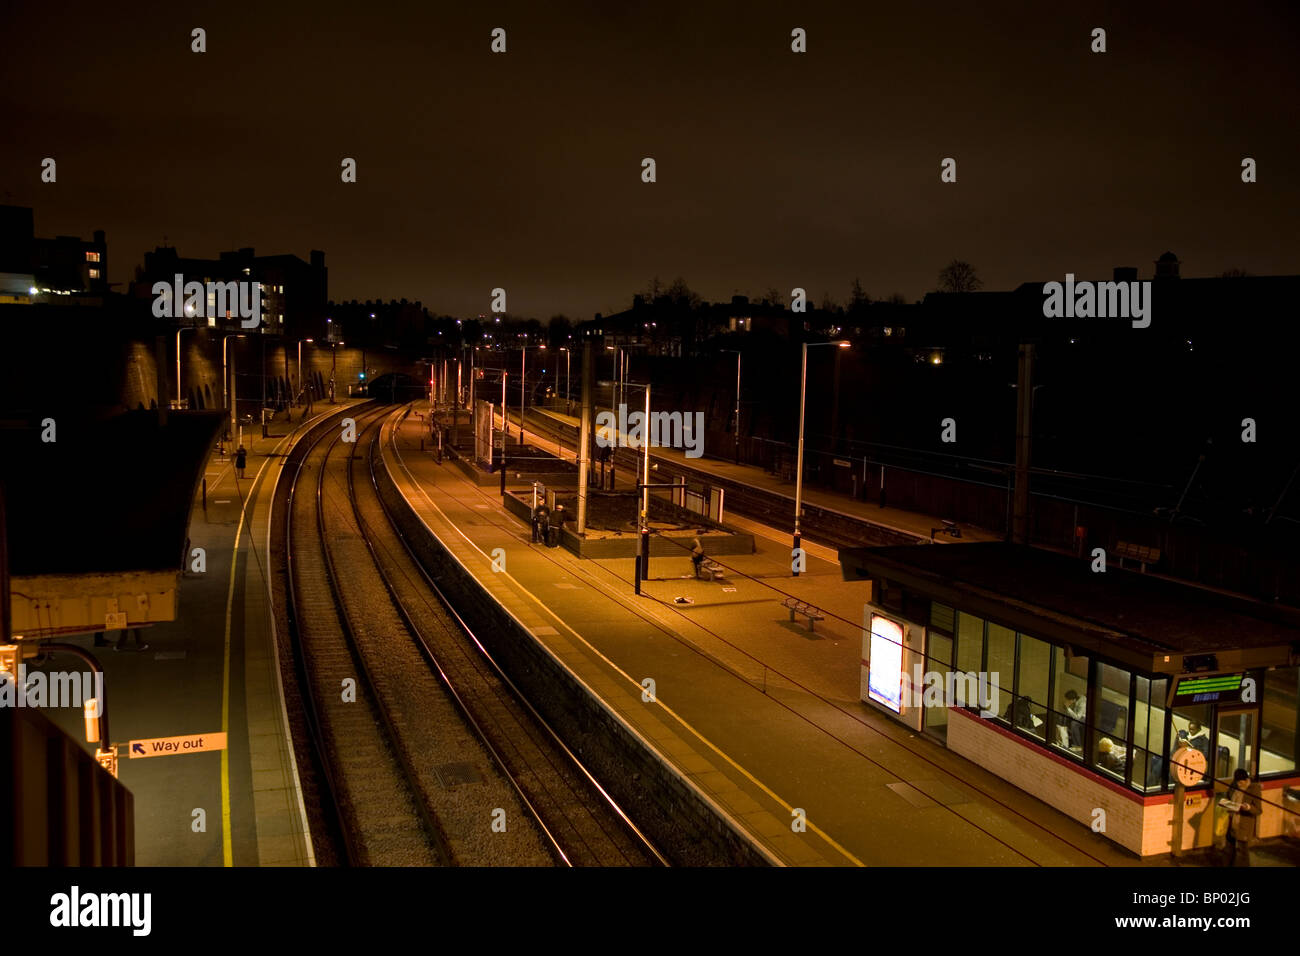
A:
(885, 680)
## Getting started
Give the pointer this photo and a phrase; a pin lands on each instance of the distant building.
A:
(66, 269)
(663, 327)
(294, 292)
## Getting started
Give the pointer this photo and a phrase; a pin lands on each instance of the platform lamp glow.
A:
(798, 481)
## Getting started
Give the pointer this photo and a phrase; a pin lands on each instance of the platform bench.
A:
(1142, 554)
(807, 610)
(710, 569)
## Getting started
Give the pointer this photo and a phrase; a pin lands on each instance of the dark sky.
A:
(522, 170)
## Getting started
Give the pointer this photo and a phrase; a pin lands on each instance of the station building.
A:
(1080, 686)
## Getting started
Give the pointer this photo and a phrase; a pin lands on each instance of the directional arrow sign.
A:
(168, 746)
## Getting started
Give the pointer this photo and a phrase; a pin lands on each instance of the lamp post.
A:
(225, 377)
(300, 341)
(568, 406)
(505, 428)
(736, 426)
(798, 481)
(178, 360)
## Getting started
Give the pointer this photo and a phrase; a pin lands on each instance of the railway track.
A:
(437, 760)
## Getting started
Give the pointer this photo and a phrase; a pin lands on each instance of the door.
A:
(1234, 742)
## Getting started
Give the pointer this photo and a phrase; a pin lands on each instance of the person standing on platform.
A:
(556, 520)
(544, 523)
(241, 459)
(697, 555)
(1241, 831)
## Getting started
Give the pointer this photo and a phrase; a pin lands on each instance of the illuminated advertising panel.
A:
(885, 680)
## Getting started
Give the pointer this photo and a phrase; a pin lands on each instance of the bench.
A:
(710, 568)
(807, 610)
(1142, 554)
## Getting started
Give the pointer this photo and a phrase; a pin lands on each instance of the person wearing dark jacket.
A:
(556, 521)
(544, 522)
(1241, 831)
(241, 459)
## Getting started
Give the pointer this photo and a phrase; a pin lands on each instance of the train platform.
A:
(911, 523)
(761, 713)
(212, 670)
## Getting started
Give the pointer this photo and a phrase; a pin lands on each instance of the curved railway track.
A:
(437, 747)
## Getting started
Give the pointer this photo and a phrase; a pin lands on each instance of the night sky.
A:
(522, 169)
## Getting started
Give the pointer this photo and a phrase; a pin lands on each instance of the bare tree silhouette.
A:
(959, 276)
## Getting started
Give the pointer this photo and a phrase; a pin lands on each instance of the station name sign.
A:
(1205, 688)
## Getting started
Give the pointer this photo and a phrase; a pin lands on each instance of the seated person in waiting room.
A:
(1075, 708)
(1198, 737)
(1110, 756)
(1020, 714)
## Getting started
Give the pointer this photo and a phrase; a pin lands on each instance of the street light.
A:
(189, 311)
(334, 347)
(226, 397)
(568, 406)
(736, 430)
(300, 341)
(798, 482)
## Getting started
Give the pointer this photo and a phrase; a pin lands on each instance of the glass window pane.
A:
(1070, 676)
(1281, 720)
(1031, 708)
(970, 643)
(1001, 669)
(941, 617)
(1109, 750)
(939, 653)
(1236, 745)
(1150, 752)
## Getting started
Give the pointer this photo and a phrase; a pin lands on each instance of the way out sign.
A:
(169, 746)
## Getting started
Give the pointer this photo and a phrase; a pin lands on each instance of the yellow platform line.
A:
(227, 849)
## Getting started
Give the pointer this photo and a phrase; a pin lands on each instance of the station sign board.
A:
(1189, 689)
(169, 746)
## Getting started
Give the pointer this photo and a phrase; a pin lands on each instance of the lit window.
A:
(92, 256)
(94, 273)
